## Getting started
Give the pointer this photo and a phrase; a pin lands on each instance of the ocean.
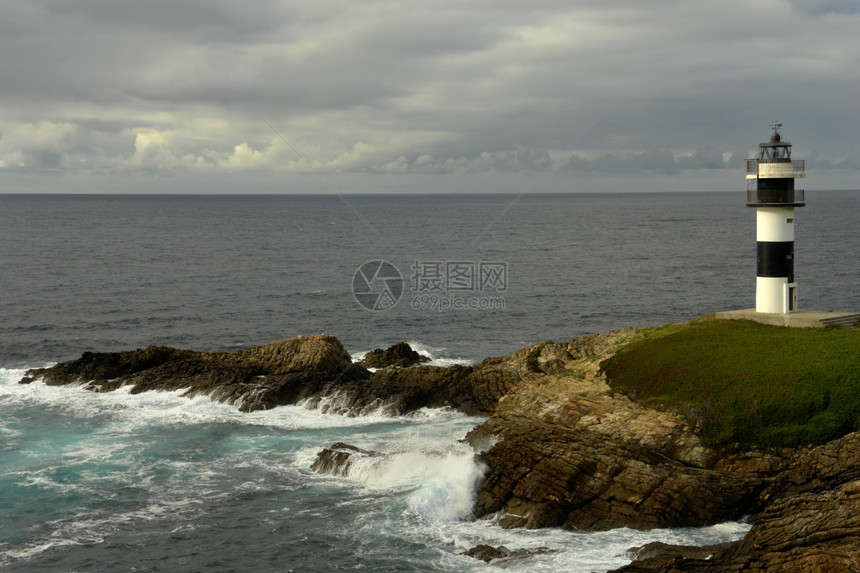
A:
(158, 482)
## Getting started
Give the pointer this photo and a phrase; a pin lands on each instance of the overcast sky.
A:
(396, 96)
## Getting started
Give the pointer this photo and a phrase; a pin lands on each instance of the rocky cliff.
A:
(808, 519)
(565, 450)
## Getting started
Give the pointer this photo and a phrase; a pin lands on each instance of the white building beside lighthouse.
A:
(770, 189)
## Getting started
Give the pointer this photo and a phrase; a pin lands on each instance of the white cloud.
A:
(244, 157)
(35, 145)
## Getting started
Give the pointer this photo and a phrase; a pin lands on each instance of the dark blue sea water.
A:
(158, 482)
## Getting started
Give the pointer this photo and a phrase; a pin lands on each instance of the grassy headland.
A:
(745, 384)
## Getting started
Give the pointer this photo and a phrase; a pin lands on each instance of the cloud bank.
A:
(660, 92)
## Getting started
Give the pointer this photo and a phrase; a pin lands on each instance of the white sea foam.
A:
(442, 483)
(435, 477)
(577, 552)
(88, 529)
(560, 550)
(10, 377)
(437, 474)
(438, 355)
(52, 542)
(172, 407)
(342, 404)
(8, 435)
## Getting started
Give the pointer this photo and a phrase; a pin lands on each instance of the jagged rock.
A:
(473, 390)
(337, 459)
(397, 355)
(818, 468)
(486, 552)
(566, 451)
(489, 553)
(254, 378)
(545, 475)
(99, 367)
(668, 552)
(804, 532)
(309, 369)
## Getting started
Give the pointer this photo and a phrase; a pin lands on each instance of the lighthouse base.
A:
(775, 295)
(799, 318)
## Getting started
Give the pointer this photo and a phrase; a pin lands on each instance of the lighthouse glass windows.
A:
(776, 153)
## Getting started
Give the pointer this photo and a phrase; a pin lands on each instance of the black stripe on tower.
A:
(775, 191)
(768, 183)
(775, 259)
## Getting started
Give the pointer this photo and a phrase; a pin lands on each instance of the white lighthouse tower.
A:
(770, 189)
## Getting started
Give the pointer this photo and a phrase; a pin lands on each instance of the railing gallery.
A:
(782, 169)
(775, 197)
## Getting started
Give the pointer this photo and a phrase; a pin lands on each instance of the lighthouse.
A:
(770, 190)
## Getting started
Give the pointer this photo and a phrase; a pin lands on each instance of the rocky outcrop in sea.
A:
(316, 371)
(561, 448)
(398, 355)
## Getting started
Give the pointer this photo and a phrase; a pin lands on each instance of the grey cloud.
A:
(655, 161)
(189, 20)
(824, 7)
(706, 157)
(448, 87)
(521, 159)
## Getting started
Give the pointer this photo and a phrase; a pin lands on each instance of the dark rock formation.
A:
(104, 366)
(814, 531)
(489, 553)
(810, 520)
(397, 355)
(313, 370)
(255, 378)
(486, 552)
(337, 459)
(473, 390)
(659, 551)
(544, 475)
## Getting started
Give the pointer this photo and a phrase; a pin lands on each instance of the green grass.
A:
(744, 384)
